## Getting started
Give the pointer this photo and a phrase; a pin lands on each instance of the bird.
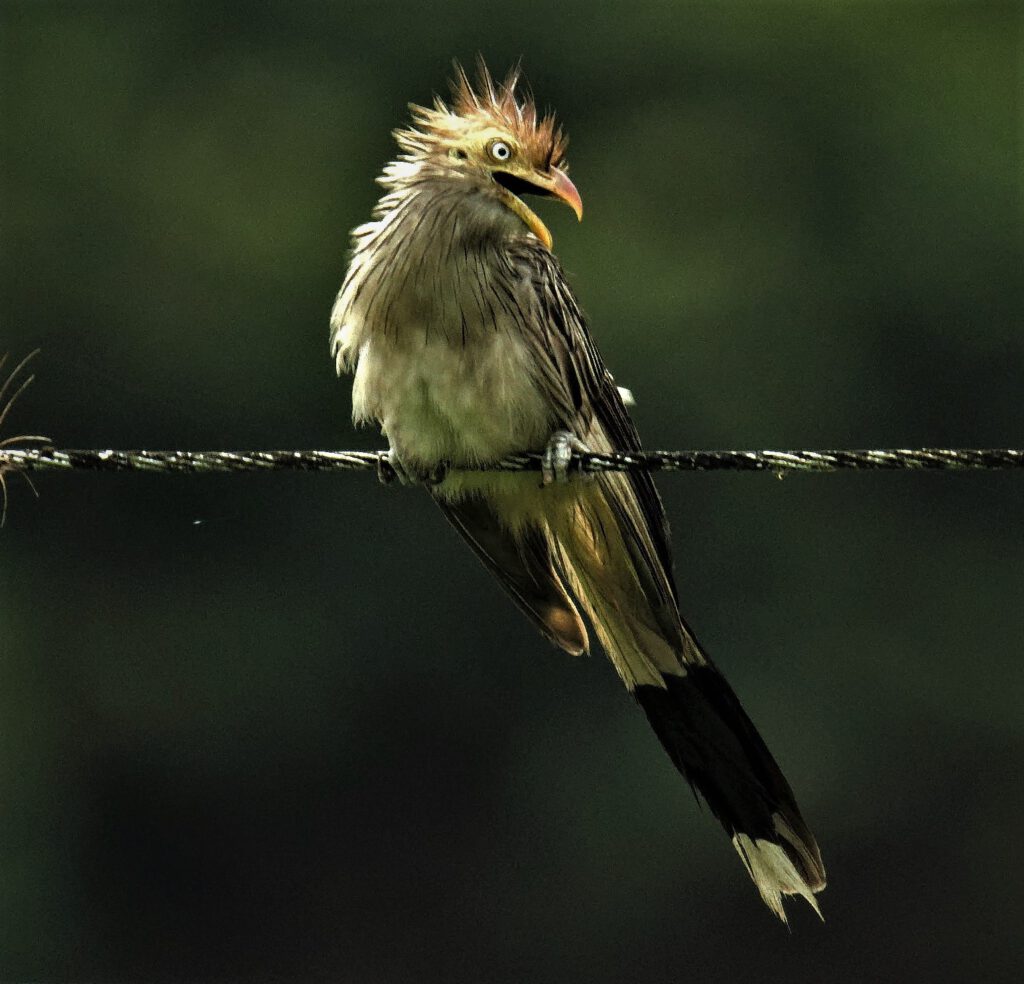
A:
(467, 344)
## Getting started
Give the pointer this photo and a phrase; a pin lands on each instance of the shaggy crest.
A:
(485, 104)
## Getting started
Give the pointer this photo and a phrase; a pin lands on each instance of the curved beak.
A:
(558, 185)
(551, 184)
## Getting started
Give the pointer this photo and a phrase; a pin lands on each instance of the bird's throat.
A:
(529, 218)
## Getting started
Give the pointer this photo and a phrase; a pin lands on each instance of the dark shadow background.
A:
(285, 727)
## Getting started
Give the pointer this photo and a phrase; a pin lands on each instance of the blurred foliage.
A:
(285, 726)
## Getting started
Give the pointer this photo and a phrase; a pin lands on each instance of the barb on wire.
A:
(16, 388)
(776, 461)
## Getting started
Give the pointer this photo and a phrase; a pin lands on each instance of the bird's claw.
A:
(557, 457)
(390, 467)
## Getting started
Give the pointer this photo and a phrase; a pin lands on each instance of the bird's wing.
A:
(584, 391)
(523, 565)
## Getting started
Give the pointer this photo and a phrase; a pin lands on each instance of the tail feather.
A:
(689, 704)
(713, 743)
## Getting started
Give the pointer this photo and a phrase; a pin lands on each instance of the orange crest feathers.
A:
(487, 103)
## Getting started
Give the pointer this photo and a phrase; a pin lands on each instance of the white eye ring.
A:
(500, 150)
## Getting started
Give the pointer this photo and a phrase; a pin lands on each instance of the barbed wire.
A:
(768, 460)
(37, 454)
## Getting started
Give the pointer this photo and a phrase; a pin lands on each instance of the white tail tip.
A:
(774, 874)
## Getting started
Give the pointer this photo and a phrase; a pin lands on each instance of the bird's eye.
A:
(500, 150)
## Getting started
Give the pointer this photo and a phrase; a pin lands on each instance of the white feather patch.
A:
(773, 873)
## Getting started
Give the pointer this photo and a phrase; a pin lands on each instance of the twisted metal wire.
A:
(776, 461)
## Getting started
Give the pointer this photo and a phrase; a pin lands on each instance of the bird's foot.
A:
(557, 458)
(390, 467)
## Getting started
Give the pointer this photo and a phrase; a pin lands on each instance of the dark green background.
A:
(285, 726)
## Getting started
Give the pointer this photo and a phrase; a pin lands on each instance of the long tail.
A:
(604, 557)
(713, 743)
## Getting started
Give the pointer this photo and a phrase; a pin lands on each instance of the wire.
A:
(199, 462)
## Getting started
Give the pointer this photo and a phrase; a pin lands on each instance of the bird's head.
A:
(493, 141)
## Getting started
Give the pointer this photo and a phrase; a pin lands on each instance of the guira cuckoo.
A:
(468, 344)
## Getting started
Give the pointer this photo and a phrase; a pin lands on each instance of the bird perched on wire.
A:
(468, 344)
